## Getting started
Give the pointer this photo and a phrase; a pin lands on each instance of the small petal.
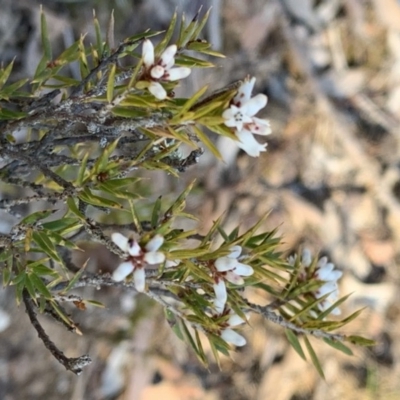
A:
(230, 112)
(327, 288)
(121, 241)
(155, 243)
(244, 92)
(230, 336)
(157, 72)
(243, 270)
(157, 91)
(254, 105)
(134, 249)
(139, 277)
(220, 291)
(154, 257)
(249, 144)
(225, 263)
(335, 275)
(171, 263)
(168, 55)
(123, 270)
(175, 74)
(170, 64)
(148, 53)
(322, 261)
(306, 258)
(292, 260)
(219, 306)
(234, 278)
(235, 251)
(260, 127)
(235, 320)
(324, 272)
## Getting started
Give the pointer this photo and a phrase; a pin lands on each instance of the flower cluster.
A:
(161, 69)
(231, 336)
(324, 271)
(231, 269)
(241, 117)
(137, 258)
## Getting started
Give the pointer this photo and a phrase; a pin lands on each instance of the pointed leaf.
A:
(294, 341)
(45, 36)
(314, 357)
(110, 83)
(5, 73)
(168, 35)
(41, 288)
(207, 142)
(338, 346)
(46, 245)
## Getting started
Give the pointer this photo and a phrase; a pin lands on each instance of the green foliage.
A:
(89, 140)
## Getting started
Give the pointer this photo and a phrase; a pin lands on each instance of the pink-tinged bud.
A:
(139, 277)
(123, 270)
(230, 336)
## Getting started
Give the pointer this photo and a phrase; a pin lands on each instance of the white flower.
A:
(220, 296)
(161, 69)
(233, 269)
(249, 144)
(241, 117)
(231, 336)
(325, 272)
(229, 268)
(137, 258)
(152, 256)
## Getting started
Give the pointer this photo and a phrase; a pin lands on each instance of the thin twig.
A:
(74, 365)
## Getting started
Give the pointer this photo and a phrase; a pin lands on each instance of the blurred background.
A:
(330, 178)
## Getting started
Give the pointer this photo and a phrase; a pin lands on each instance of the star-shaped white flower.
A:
(241, 117)
(162, 68)
(231, 269)
(325, 272)
(230, 335)
(137, 258)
